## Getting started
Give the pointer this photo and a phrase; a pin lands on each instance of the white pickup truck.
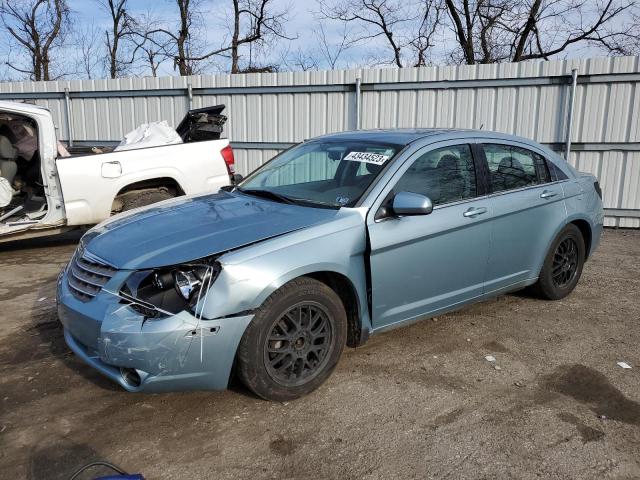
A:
(51, 191)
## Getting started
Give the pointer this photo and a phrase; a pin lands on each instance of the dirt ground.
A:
(416, 402)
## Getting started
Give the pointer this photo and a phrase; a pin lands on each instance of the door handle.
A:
(472, 212)
(548, 194)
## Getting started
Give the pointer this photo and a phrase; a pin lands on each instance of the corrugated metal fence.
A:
(269, 112)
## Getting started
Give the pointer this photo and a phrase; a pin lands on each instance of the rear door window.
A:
(512, 167)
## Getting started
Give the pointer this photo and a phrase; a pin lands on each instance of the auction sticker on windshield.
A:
(367, 157)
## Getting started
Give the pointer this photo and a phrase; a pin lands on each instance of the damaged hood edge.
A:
(192, 228)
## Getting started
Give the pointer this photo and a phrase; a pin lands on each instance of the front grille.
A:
(86, 276)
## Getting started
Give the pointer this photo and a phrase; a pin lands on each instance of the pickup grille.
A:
(86, 276)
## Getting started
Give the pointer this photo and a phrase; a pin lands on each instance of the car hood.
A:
(190, 228)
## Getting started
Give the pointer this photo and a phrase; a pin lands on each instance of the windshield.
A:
(331, 174)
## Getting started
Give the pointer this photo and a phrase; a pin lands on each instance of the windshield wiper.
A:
(267, 194)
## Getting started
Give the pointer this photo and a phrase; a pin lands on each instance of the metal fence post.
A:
(67, 105)
(572, 101)
(190, 95)
(358, 93)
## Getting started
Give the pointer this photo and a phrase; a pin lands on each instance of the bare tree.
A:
(489, 31)
(332, 51)
(402, 24)
(121, 29)
(37, 27)
(299, 59)
(423, 41)
(183, 45)
(150, 49)
(183, 39)
(88, 48)
(623, 38)
(253, 24)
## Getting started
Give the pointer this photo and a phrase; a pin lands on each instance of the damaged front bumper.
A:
(157, 355)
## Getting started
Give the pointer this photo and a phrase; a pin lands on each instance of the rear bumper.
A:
(170, 354)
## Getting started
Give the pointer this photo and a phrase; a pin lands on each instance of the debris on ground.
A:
(490, 358)
(624, 365)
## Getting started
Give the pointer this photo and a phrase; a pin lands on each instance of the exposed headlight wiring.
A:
(205, 285)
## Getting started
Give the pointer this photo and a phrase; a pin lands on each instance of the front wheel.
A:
(294, 341)
(562, 266)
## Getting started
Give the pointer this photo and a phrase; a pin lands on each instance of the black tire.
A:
(143, 199)
(562, 266)
(272, 357)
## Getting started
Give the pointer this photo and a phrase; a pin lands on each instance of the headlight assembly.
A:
(188, 280)
(170, 290)
(187, 283)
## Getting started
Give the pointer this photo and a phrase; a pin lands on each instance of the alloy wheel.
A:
(298, 344)
(565, 263)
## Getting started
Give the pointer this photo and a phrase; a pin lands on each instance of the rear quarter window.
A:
(555, 172)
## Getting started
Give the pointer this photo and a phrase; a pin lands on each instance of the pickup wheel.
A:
(145, 198)
(294, 341)
(562, 266)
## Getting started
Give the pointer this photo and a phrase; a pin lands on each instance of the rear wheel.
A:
(142, 199)
(563, 265)
(294, 341)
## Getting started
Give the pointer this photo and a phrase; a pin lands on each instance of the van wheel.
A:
(294, 341)
(141, 199)
(563, 265)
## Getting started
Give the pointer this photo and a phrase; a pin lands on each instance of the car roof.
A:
(404, 136)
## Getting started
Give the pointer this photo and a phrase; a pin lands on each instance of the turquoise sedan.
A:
(338, 238)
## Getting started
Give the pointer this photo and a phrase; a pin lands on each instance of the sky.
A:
(89, 22)
(300, 25)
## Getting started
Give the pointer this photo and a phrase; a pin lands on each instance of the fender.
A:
(309, 270)
(249, 275)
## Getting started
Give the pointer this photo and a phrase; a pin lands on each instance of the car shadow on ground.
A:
(58, 457)
(72, 236)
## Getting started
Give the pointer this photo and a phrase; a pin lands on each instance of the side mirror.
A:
(407, 203)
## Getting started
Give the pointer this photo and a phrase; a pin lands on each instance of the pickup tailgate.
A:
(90, 183)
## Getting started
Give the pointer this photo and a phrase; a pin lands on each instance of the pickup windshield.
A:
(326, 174)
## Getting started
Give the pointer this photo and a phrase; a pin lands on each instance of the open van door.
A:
(202, 124)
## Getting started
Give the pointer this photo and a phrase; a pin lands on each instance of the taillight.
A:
(227, 155)
(596, 185)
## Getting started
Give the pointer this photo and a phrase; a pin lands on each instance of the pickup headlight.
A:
(170, 290)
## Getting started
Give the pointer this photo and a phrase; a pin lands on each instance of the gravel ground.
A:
(416, 402)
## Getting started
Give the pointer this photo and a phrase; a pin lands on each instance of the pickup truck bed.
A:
(91, 183)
